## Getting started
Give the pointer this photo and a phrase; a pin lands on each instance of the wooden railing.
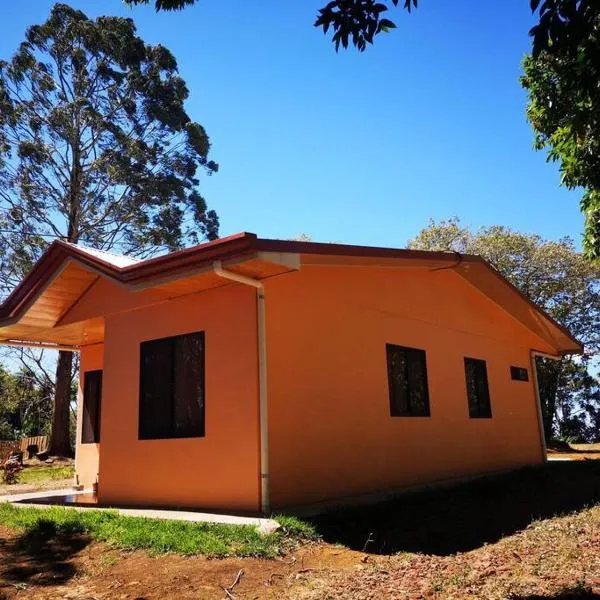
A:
(41, 441)
(8, 446)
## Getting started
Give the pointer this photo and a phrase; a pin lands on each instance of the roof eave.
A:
(59, 252)
(235, 246)
(577, 346)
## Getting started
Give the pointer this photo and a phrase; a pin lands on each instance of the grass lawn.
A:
(32, 475)
(155, 535)
(35, 477)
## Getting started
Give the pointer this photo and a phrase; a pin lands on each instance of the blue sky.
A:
(350, 147)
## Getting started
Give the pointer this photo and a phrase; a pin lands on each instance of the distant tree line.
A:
(25, 404)
(559, 279)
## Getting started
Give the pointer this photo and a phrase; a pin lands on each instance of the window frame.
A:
(90, 432)
(172, 406)
(478, 414)
(393, 402)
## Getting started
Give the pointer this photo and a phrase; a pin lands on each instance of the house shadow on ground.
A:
(41, 556)
(446, 520)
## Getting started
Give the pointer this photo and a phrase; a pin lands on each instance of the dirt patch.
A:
(586, 447)
(85, 571)
(38, 558)
(576, 452)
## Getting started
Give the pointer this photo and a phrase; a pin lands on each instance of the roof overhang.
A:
(34, 313)
(471, 268)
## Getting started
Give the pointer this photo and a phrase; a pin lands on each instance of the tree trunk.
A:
(548, 375)
(60, 439)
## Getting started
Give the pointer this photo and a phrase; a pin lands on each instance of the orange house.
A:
(250, 374)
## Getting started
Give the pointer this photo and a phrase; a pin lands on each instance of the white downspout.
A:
(538, 402)
(262, 378)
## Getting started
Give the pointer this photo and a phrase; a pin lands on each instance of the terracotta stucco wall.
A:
(87, 455)
(219, 470)
(331, 433)
(105, 297)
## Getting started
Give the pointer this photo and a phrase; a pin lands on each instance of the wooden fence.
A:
(8, 446)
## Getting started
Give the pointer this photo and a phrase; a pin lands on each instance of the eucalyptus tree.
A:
(96, 147)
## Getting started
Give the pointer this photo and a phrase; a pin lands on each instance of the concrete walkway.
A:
(264, 526)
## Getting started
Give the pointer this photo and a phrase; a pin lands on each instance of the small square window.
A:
(407, 380)
(478, 392)
(519, 374)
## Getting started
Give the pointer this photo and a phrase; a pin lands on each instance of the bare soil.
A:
(526, 536)
(578, 452)
(73, 567)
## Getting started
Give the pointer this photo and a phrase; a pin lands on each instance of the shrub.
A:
(12, 469)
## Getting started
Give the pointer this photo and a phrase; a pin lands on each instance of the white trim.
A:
(265, 501)
(538, 400)
(39, 345)
(546, 355)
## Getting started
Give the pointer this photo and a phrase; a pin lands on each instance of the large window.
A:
(92, 394)
(407, 379)
(172, 387)
(478, 392)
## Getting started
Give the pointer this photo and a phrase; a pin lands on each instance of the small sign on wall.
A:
(519, 374)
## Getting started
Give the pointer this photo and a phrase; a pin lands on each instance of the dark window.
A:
(519, 374)
(92, 394)
(407, 379)
(478, 392)
(172, 387)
